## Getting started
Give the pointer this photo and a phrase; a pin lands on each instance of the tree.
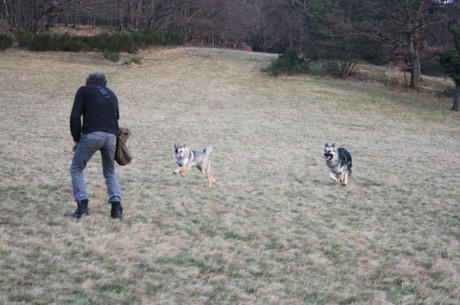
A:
(451, 60)
(275, 25)
(33, 15)
(332, 32)
(402, 28)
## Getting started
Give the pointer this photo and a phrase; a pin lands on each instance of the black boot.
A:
(82, 210)
(117, 210)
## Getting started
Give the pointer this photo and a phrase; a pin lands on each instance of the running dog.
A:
(338, 163)
(187, 158)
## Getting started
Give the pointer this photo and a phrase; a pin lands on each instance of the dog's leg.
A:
(334, 177)
(181, 170)
(208, 175)
(345, 178)
(341, 176)
(212, 178)
(206, 171)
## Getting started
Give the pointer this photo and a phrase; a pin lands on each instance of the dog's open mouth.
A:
(328, 156)
(178, 153)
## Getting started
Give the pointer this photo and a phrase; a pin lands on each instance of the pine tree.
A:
(451, 61)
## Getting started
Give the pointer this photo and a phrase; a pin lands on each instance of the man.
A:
(98, 106)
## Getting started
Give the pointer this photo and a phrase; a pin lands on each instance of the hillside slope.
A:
(275, 229)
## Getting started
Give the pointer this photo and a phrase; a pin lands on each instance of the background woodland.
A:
(412, 34)
(314, 26)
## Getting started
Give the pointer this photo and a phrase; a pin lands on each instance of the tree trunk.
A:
(7, 16)
(456, 104)
(414, 62)
(415, 74)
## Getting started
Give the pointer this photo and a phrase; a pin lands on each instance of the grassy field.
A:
(274, 230)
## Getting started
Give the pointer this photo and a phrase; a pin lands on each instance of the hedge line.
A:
(120, 42)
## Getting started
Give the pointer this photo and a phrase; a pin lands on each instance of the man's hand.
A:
(74, 146)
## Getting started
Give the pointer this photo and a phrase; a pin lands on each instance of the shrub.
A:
(120, 42)
(44, 42)
(131, 43)
(24, 38)
(5, 42)
(371, 53)
(112, 56)
(133, 60)
(290, 63)
(432, 67)
(70, 43)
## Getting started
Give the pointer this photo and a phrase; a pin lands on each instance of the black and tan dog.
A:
(187, 158)
(338, 163)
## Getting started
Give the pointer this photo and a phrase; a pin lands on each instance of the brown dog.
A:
(187, 158)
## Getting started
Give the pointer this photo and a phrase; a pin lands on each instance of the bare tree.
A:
(275, 25)
(215, 22)
(402, 27)
(33, 15)
(4, 10)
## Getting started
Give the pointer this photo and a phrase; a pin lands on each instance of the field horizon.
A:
(274, 230)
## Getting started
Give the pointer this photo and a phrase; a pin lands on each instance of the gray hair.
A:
(96, 78)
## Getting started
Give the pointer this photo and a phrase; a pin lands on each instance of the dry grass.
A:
(274, 230)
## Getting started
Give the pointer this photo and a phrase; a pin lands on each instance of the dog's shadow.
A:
(190, 179)
(328, 183)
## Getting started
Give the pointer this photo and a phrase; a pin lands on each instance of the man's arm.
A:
(75, 116)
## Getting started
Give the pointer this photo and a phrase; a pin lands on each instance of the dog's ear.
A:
(333, 145)
(325, 145)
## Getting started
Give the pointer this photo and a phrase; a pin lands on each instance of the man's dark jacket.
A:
(99, 113)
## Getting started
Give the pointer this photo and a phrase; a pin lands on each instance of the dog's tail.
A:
(207, 150)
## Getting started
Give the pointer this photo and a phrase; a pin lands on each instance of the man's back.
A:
(99, 113)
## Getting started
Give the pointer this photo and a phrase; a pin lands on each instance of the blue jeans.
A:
(89, 144)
